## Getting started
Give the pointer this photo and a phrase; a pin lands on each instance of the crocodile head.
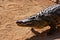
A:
(31, 21)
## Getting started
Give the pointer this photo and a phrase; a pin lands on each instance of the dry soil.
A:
(13, 10)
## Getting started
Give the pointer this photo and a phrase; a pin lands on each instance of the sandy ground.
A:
(12, 10)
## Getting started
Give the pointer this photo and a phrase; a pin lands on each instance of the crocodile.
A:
(49, 16)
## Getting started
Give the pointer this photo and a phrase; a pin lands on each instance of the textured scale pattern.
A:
(47, 11)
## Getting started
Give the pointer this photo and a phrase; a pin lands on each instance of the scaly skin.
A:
(49, 16)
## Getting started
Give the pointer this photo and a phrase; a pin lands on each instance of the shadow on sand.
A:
(43, 36)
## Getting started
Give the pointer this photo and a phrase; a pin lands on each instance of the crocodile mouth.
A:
(24, 23)
(29, 23)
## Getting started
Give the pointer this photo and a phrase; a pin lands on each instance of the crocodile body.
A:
(48, 16)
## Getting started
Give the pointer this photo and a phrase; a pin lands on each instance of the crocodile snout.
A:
(24, 22)
(19, 22)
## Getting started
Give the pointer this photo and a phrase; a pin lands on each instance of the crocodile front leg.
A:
(52, 25)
